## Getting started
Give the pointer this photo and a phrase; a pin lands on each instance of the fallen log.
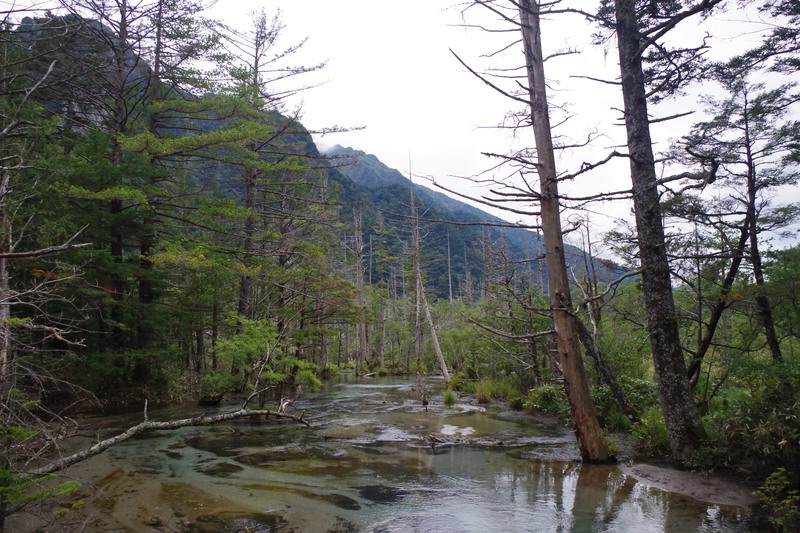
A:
(148, 425)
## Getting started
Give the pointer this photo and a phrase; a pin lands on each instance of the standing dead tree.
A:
(524, 16)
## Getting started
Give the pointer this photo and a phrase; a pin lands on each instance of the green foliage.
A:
(485, 390)
(254, 340)
(292, 371)
(216, 384)
(612, 445)
(459, 383)
(781, 501)
(132, 194)
(607, 409)
(18, 490)
(14, 435)
(754, 426)
(650, 433)
(642, 393)
(783, 271)
(517, 402)
(119, 379)
(549, 399)
(503, 389)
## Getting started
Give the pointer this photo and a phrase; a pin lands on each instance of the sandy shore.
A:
(709, 488)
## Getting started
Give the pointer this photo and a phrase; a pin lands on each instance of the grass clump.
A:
(483, 392)
(450, 397)
(782, 502)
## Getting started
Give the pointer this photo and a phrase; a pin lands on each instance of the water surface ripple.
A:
(376, 460)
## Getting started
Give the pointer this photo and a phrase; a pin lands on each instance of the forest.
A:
(170, 234)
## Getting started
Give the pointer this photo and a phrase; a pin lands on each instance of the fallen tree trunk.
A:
(148, 425)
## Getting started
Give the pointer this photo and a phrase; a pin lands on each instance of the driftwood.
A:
(148, 425)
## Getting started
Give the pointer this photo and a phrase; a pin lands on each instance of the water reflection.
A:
(368, 466)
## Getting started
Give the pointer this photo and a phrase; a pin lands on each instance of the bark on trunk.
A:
(762, 302)
(247, 281)
(5, 292)
(422, 307)
(590, 436)
(437, 349)
(681, 416)
(418, 294)
(361, 337)
(718, 309)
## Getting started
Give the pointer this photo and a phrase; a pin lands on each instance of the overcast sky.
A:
(391, 71)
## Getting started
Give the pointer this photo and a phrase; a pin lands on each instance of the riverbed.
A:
(377, 460)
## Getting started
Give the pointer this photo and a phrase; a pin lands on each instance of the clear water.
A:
(368, 465)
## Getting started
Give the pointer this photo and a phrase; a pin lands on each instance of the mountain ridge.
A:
(500, 241)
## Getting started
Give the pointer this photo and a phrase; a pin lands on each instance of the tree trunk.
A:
(149, 236)
(590, 436)
(361, 337)
(6, 372)
(718, 309)
(247, 281)
(762, 302)
(418, 289)
(437, 349)
(680, 414)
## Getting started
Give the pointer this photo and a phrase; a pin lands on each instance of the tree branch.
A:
(148, 425)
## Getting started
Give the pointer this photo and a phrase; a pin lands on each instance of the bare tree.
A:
(422, 309)
(590, 436)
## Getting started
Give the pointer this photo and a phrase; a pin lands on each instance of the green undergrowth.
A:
(487, 390)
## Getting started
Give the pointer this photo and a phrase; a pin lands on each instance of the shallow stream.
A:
(376, 460)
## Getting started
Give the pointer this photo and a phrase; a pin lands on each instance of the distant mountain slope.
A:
(478, 249)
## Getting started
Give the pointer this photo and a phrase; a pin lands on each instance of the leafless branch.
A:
(149, 425)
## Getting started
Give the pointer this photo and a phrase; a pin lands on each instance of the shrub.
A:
(467, 387)
(612, 445)
(215, 385)
(502, 389)
(516, 402)
(608, 411)
(754, 425)
(549, 398)
(650, 433)
(782, 503)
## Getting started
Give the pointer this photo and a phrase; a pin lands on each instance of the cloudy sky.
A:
(390, 70)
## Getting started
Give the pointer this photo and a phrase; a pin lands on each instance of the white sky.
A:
(391, 71)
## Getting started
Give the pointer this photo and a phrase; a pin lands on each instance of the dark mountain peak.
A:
(366, 170)
(469, 230)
